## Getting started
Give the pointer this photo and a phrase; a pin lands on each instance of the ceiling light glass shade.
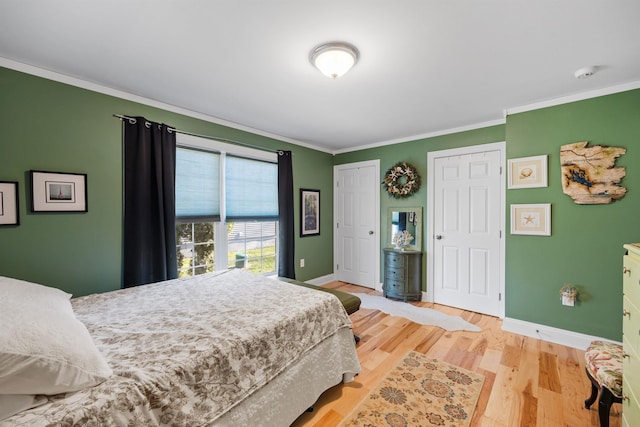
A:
(334, 59)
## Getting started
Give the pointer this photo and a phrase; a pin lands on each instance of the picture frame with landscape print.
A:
(9, 213)
(309, 212)
(58, 192)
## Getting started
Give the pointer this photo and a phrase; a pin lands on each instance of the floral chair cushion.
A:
(604, 363)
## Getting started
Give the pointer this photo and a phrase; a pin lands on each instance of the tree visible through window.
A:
(195, 244)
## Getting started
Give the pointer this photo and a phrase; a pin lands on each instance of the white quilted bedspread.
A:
(184, 352)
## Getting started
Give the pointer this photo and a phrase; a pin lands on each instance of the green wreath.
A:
(402, 180)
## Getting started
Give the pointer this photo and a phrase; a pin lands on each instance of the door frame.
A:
(376, 202)
(431, 156)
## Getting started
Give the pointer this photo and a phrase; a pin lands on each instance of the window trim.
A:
(221, 247)
(196, 142)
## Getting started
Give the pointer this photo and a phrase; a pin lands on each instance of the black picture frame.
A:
(9, 206)
(58, 192)
(309, 212)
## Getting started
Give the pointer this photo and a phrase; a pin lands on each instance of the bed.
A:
(222, 349)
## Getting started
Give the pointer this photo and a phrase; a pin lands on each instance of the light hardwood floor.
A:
(528, 382)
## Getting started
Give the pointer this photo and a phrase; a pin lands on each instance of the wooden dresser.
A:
(631, 337)
(402, 274)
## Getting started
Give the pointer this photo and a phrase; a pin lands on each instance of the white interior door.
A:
(466, 238)
(357, 223)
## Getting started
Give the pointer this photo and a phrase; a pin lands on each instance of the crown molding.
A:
(424, 136)
(573, 98)
(95, 87)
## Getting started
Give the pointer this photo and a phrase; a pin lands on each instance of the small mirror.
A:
(409, 219)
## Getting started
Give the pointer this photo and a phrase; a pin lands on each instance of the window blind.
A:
(251, 189)
(197, 185)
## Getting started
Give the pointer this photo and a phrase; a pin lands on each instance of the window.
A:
(197, 184)
(195, 243)
(251, 189)
(252, 245)
(226, 207)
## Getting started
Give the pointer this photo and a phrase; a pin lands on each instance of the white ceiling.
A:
(426, 66)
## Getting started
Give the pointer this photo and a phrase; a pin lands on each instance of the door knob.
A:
(438, 237)
(370, 232)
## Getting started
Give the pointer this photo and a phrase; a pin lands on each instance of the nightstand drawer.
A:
(394, 274)
(630, 407)
(631, 336)
(630, 366)
(631, 324)
(394, 286)
(631, 279)
(394, 260)
(626, 423)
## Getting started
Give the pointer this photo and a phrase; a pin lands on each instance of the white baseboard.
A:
(529, 329)
(549, 333)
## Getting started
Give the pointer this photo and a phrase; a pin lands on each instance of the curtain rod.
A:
(132, 120)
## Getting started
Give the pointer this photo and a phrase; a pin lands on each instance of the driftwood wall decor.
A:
(588, 173)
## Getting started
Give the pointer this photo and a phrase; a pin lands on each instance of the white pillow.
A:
(44, 349)
(11, 404)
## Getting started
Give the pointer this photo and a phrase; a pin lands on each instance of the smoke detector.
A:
(585, 72)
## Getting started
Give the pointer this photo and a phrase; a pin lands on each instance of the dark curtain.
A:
(286, 259)
(149, 202)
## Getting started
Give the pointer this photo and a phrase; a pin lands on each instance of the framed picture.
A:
(58, 192)
(9, 214)
(531, 219)
(528, 172)
(309, 212)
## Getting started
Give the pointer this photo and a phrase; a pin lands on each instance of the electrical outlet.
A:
(301, 262)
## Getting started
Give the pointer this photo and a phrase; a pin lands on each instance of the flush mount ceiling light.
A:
(334, 59)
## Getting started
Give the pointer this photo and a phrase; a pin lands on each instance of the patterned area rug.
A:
(420, 391)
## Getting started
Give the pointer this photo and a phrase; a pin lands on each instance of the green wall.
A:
(55, 127)
(585, 248)
(52, 126)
